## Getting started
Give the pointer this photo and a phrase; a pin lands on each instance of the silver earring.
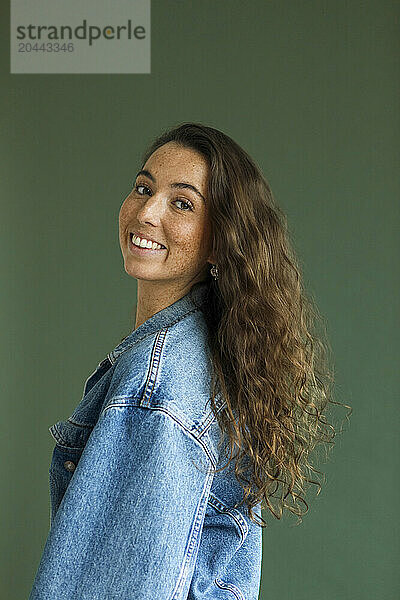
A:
(214, 271)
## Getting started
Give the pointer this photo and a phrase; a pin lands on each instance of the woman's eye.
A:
(186, 203)
(136, 187)
(139, 185)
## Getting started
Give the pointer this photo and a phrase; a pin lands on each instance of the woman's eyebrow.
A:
(180, 184)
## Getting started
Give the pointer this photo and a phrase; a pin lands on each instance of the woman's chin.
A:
(142, 272)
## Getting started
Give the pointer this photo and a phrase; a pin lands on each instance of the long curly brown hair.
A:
(269, 364)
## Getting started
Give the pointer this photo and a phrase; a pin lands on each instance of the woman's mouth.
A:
(139, 250)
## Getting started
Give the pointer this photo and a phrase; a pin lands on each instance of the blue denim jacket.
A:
(136, 513)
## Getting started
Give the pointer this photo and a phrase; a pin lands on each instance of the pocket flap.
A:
(70, 435)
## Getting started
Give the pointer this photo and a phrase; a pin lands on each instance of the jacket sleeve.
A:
(130, 521)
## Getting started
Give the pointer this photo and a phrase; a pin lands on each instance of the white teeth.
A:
(143, 243)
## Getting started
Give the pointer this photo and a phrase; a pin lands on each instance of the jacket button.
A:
(69, 465)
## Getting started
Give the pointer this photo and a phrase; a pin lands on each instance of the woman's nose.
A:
(152, 208)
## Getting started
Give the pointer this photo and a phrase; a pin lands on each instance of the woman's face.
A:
(161, 207)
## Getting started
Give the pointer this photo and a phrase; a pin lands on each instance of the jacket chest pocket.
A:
(70, 441)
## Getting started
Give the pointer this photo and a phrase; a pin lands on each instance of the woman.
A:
(220, 365)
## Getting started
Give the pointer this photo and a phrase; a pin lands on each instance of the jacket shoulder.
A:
(169, 369)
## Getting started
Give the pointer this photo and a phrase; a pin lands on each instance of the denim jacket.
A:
(135, 512)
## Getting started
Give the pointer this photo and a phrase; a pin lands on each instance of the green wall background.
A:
(310, 89)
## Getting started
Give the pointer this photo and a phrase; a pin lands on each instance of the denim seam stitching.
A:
(155, 362)
(232, 512)
(113, 356)
(210, 420)
(171, 416)
(230, 587)
(60, 441)
(84, 425)
(63, 445)
(192, 549)
(202, 431)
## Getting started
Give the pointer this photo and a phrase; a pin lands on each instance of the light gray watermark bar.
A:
(80, 36)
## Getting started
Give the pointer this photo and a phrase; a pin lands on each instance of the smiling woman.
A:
(167, 205)
(145, 243)
(222, 363)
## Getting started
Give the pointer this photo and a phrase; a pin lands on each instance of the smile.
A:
(148, 247)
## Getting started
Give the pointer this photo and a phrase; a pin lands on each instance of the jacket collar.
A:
(166, 317)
